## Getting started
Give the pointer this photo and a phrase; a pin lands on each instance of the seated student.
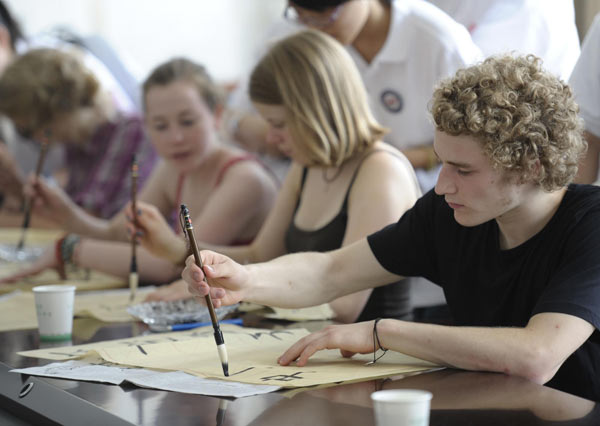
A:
(50, 95)
(512, 243)
(228, 192)
(585, 81)
(18, 159)
(343, 183)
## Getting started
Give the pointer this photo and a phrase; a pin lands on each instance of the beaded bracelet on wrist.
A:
(60, 265)
(68, 247)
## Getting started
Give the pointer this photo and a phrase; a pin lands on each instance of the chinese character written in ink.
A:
(272, 333)
(284, 377)
(242, 371)
(76, 352)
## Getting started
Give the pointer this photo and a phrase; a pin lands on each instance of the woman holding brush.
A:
(344, 181)
(52, 97)
(228, 191)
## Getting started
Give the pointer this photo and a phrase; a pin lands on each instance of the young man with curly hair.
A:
(513, 244)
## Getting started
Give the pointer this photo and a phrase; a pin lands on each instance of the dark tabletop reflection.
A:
(459, 397)
(462, 397)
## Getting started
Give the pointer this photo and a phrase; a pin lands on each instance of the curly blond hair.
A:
(522, 116)
(44, 84)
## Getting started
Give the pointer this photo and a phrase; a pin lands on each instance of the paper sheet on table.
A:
(84, 280)
(32, 236)
(77, 351)
(252, 358)
(95, 369)
(92, 280)
(313, 313)
(17, 310)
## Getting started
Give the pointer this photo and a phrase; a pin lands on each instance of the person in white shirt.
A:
(545, 28)
(585, 82)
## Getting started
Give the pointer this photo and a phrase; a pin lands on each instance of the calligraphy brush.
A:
(27, 205)
(133, 273)
(189, 229)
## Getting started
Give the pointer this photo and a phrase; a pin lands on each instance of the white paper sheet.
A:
(98, 370)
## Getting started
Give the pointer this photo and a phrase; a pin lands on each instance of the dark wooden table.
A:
(459, 397)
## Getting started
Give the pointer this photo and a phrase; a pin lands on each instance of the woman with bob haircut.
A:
(343, 183)
(229, 193)
(513, 244)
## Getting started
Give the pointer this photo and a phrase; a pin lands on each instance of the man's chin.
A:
(466, 220)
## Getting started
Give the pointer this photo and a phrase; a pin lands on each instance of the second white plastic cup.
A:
(401, 407)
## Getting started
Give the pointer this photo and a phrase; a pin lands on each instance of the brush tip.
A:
(226, 369)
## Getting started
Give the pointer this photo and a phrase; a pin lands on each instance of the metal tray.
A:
(176, 312)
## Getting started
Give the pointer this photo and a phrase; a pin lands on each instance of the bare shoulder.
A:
(385, 177)
(386, 163)
(247, 171)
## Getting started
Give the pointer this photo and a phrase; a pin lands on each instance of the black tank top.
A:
(390, 301)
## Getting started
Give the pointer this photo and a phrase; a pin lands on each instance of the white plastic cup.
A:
(401, 407)
(54, 308)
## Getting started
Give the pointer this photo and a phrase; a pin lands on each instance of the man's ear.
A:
(533, 176)
(537, 168)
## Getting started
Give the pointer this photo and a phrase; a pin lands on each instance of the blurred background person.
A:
(18, 156)
(51, 96)
(545, 28)
(585, 82)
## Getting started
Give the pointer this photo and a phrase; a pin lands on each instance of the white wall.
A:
(221, 34)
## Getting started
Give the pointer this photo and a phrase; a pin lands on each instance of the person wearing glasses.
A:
(402, 48)
(507, 236)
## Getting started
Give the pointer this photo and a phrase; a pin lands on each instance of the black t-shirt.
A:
(557, 270)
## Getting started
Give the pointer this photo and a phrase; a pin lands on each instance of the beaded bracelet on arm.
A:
(68, 247)
(60, 265)
(64, 250)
